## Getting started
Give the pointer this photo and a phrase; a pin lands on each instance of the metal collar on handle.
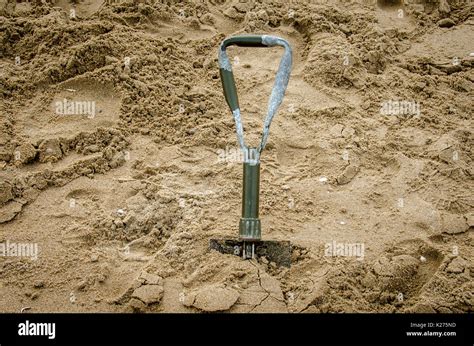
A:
(279, 86)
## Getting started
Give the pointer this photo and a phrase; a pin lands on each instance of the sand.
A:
(119, 160)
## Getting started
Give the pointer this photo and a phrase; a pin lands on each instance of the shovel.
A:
(249, 244)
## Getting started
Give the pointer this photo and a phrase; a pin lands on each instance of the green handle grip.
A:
(227, 77)
(243, 41)
(279, 86)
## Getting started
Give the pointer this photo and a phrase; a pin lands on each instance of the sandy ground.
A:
(121, 202)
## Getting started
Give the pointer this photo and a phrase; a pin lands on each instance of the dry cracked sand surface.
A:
(121, 201)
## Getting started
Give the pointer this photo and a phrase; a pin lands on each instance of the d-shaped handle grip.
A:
(279, 87)
(227, 77)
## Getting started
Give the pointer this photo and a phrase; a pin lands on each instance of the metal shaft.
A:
(249, 227)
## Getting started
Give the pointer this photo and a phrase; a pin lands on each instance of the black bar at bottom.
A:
(193, 329)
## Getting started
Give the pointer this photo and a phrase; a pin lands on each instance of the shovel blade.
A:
(275, 251)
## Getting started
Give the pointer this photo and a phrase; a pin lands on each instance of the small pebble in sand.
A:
(120, 212)
(422, 259)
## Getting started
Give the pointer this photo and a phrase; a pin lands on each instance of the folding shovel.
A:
(249, 243)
